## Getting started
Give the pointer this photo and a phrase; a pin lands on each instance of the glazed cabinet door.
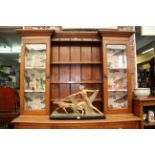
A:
(35, 77)
(117, 80)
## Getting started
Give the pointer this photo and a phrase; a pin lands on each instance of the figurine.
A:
(82, 107)
(88, 100)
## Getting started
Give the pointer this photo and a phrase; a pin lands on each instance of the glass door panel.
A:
(35, 77)
(117, 77)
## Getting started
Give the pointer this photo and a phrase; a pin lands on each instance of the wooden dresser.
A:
(55, 63)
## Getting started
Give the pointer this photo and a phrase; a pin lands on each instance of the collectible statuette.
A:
(72, 106)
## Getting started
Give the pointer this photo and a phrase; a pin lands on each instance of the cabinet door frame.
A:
(35, 40)
(116, 41)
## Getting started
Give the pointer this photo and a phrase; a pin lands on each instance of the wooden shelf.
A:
(120, 90)
(76, 62)
(41, 68)
(145, 104)
(76, 40)
(34, 91)
(71, 36)
(149, 124)
(149, 98)
(96, 100)
(117, 68)
(75, 82)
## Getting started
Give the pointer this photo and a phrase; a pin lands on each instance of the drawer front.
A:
(122, 125)
(105, 125)
(110, 125)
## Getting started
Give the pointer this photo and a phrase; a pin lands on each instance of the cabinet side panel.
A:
(133, 61)
(22, 79)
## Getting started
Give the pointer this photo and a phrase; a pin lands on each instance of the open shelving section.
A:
(141, 106)
(76, 62)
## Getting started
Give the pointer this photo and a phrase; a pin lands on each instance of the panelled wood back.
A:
(74, 64)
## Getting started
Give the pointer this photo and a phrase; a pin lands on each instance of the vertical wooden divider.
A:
(86, 69)
(58, 72)
(70, 86)
(64, 71)
(91, 66)
(75, 69)
(55, 72)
